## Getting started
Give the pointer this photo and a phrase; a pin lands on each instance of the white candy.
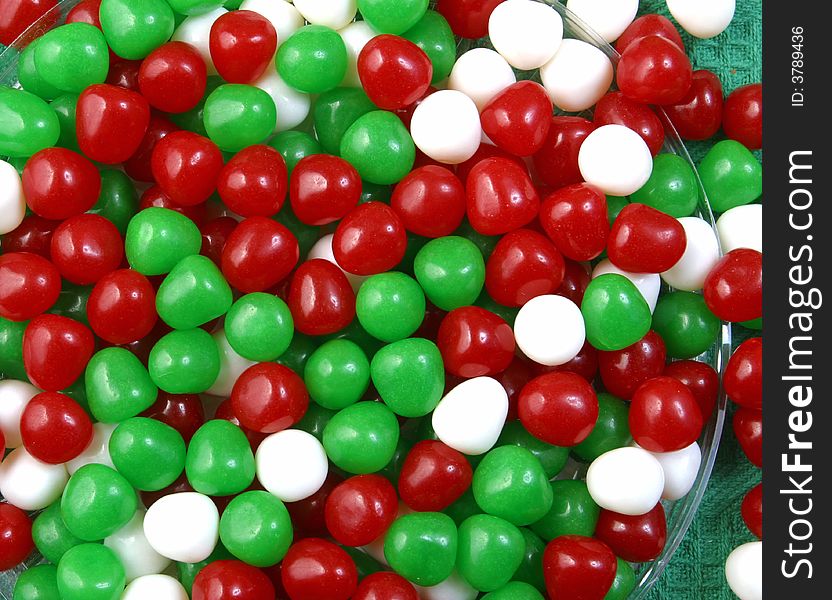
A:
(292, 105)
(616, 159)
(323, 249)
(471, 416)
(577, 76)
(155, 587)
(649, 284)
(680, 470)
(183, 527)
(196, 31)
(291, 464)
(355, 36)
(232, 366)
(629, 481)
(12, 201)
(741, 227)
(607, 17)
(28, 483)
(744, 571)
(98, 451)
(701, 254)
(550, 330)
(526, 33)
(703, 18)
(442, 112)
(331, 13)
(14, 396)
(285, 17)
(136, 554)
(481, 74)
(453, 588)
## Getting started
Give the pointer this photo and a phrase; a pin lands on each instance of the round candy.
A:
(28, 483)
(315, 568)
(256, 528)
(362, 438)
(111, 123)
(291, 464)
(134, 30)
(743, 118)
(648, 284)
(259, 326)
(470, 417)
(253, 182)
(149, 453)
(639, 538)
(654, 70)
(388, 16)
(577, 76)
(741, 227)
(173, 77)
(432, 119)
(383, 584)
(645, 240)
(30, 285)
(313, 59)
(700, 256)
(615, 312)
(616, 159)
(390, 306)
(518, 118)
(608, 17)
(501, 196)
(490, 550)
(219, 461)
(733, 288)
(97, 502)
(526, 33)
(360, 509)
(481, 74)
(231, 578)
(703, 19)
(475, 341)
(122, 307)
(731, 175)
(15, 536)
(55, 351)
(60, 183)
(54, 428)
(430, 201)
(40, 581)
(550, 330)
(320, 298)
(183, 527)
(422, 547)
(743, 377)
(259, 254)
(242, 44)
(664, 415)
(238, 115)
(408, 375)
(161, 587)
(558, 408)
(90, 572)
(433, 476)
(629, 481)
(744, 570)
(380, 148)
(698, 115)
(394, 72)
(451, 272)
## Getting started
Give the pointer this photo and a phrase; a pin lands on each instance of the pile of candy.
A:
(297, 302)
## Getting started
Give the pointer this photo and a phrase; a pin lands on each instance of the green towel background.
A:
(696, 572)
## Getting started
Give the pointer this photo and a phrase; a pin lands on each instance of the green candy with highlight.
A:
(148, 453)
(27, 124)
(451, 270)
(335, 111)
(97, 502)
(615, 313)
(672, 187)
(37, 583)
(380, 148)
(362, 438)
(117, 385)
(90, 572)
(51, 535)
(185, 361)
(390, 306)
(72, 57)
(193, 293)
(337, 374)
(573, 511)
(134, 29)
(237, 116)
(219, 461)
(409, 376)
(422, 547)
(313, 60)
(256, 528)
(686, 324)
(489, 551)
(158, 238)
(259, 327)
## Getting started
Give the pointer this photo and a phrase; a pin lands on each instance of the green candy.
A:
(134, 29)
(337, 374)
(615, 313)
(489, 551)
(118, 386)
(611, 430)
(380, 148)
(433, 35)
(392, 16)
(72, 302)
(615, 204)
(293, 147)
(409, 376)
(731, 176)
(149, 453)
(219, 461)
(463, 507)
(672, 187)
(195, 7)
(237, 116)
(335, 111)
(511, 483)
(259, 327)
(362, 438)
(158, 238)
(485, 243)
(37, 583)
(90, 572)
(313, 60)
(552, 458)
(451, 270)
(118, 200)
(51, 535)
(256, 528)
(72, 57)
(624, 582)
(374, 192)
(390, 306)
(298, 352)
(315, 420)
(193, 293)
(515, 590)
(573, 511)
(686, 324)
(531, 569)
(11, 349)
(422, 547)
(97, 502)
(186, 361)
(29, 77)
(27, 124)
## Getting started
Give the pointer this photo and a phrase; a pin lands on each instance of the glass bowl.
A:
(679, 513)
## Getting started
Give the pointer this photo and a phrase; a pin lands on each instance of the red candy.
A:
(323, 189)
(29, 285)
(54, 428)
(654, 70)
(645, 240)
(394, 72)
(154, 196)
(633, 538)
(86, 12)
(15, 536)
(138, 166)
(484, 151)
(59, 183)
(518, 118)
(743, 378)
(360, 509)
(231, 580)
(124, 73)
(385, 586)
(370, 239)
(500, 197)
(254, 182)
(575, 219)
(242, 45)
(734, 287)
(623, 371)
(700, 379)
(259, 254)
(268, 397)
(558, 408)
(173, 77)
(698, 115)
(468, 18)
(433, 476)
(314, 569)
(226, 412)
(15, 17)
(575, 280)
(55, 351)
(309, 515)
(85, 248)
(585, 364)
(430, 201)
(186, 166)
(556, 163)
(743, 117)
(664, 415)
(111, 122)
(748, 427)
(183, 412)
(33, 235)
(320, 298)
(215, 234)
(122, 307)
(578, 567)
(617, 109)
(475, 342)
(752, 510)
(517, 375)
(647, 25)
(523, 265)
